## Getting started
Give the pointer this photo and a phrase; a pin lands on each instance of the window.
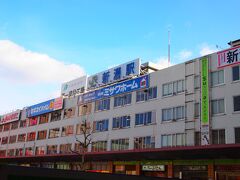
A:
(56, 116)
(42, 135)
(23, 123)
(21, 137)
(174, 113)
(6, 127)
(197, 82)
(4, 140)
(1, 128)
(146, 94)
(68, 113)
(101, 125)
(197, 139)
(29, 151)
(218, 136)
(218, 106)
(14, 125)
(103, 104)
(54, 133)
(11, 152)
(120, 144)
(67, 130)
(236, 103)
(145, 118)
(237, 135)
(121, 122)
(144, 142)
(84, 127)
(31, 136)
(2, 153)
(173, 88)
(65, 148)
(43, 119)
(19, 152)
(196, 110)
(122, 100)
(170, 140)
(236, 73)
(78, 148)
(85, 109)
(12, 139)
(33, 121)
(40, 150)
(52, 149)
(99, 146)
(217, 77)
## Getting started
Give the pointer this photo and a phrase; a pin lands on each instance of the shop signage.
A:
(114, 74)
(123, 87)
(204, 102)
(10, 117)
(45, 107)
(227, 161)
(192, 162)
(125, 162)
(229, 57)
(74, 87)
(228, 168)
(163, 162)
(153, 168)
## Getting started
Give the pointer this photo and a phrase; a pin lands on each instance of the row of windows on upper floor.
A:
(217, 77)
(97, 126)
(168, 114)
(146, 142)
(120, 122)
(172, 88)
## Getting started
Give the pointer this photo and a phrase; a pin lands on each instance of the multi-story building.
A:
(182, 121)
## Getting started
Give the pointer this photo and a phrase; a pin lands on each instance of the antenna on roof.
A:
(168, 47)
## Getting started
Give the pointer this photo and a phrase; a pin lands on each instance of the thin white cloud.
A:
(207, 49)
(162, 63)
(20, 65)
(184, 55)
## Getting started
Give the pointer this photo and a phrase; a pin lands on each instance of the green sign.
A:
(204, 92)
(125, 162)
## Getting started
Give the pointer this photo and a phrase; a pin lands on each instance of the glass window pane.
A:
(222, 136)
(179, 140)
(170, 88)
(164, 141)
(214, 78)
(214, 107)
(237, 135)
(221, 77)
(221, 106)
(235, 73)
(236, 102)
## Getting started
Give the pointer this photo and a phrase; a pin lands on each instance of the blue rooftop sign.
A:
(120, 88)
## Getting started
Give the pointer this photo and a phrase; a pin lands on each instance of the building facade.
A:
(152, 128)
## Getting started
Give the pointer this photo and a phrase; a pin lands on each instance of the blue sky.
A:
(46, 42)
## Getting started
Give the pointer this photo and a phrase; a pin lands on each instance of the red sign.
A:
(10, 117)
(58, 103)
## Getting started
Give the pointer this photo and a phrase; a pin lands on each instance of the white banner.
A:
(153, 168)
(10, 117)
(74, 87)
(229, 57)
